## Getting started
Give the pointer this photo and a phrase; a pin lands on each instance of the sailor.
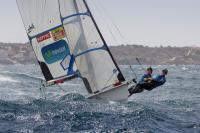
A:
(147, 76)
(160, 79)
(150, 83)
(145, 79)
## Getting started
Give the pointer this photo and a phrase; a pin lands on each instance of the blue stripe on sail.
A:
(90, 50)
(62, 19)
(73, 15)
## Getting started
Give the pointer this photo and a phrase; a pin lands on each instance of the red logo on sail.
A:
(43, 37)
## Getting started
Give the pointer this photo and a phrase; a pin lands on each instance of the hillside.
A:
(16, 53)
(157, 55)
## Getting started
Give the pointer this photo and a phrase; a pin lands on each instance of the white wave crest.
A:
(7, 79)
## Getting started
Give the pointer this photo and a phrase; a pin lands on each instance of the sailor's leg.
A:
(150, 86)
(137, 89)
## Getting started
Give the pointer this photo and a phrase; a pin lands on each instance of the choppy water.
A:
(173, 108)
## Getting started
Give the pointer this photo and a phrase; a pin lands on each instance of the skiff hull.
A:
(118, 93)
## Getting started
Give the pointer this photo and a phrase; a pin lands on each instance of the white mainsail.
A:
(88, 48)
(91, 53)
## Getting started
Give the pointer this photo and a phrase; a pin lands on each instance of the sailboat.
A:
(68, 44)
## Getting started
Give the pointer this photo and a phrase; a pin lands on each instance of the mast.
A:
(105, 44)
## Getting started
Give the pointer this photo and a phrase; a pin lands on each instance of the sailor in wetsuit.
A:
(145, 79)
(149, 83)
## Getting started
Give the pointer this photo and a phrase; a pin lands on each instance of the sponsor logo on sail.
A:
(43, 37)
(55, 52)
(58, 33)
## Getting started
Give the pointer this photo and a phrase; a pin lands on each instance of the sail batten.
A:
(73, 15)
(90, 50)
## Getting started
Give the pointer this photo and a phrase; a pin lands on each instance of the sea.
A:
(172, 108)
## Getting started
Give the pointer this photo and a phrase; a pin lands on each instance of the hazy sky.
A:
(148, 22)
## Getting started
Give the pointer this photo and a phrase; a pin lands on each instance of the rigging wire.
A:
(113, 23)
(137, 59)
(61, 88)
(60, 13)
(42, 90)
(123, 39)
(98, 10)
(113, 36)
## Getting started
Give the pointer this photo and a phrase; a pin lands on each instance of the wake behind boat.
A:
(68, 44)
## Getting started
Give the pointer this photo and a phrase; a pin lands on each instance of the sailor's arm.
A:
(148, 79)
(160, 80)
